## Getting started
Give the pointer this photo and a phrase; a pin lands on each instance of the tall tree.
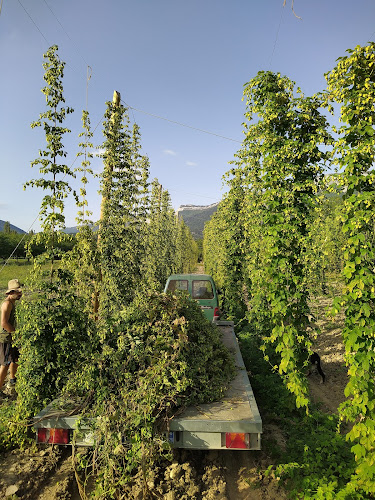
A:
(273, 191)
(224, 256)
(124, 184)
(324, 255)
(85, 168)
(352, 84)
(153, 264)
(52, 171)
(186, 253)
(83, 260)
(160, 239)
(53, 324)
(283, 165)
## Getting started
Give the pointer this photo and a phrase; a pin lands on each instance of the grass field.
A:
(14, 269)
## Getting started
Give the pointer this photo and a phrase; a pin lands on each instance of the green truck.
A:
(200, 287)
(232, 423)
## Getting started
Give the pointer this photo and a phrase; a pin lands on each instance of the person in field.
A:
(8, 353)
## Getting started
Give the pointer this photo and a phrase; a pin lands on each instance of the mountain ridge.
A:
(195, 217)
(12, 227)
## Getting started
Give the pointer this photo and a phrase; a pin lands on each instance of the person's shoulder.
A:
(6, 305)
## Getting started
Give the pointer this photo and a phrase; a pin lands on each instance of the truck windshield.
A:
(202, 289)
(178, 285)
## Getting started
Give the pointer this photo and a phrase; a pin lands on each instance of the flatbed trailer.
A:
(231, 423)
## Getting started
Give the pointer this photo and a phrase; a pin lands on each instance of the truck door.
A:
(204, 293)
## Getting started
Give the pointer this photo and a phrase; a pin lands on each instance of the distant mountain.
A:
(71, 230)
(12, 228)
(74, 229)
(195, 217)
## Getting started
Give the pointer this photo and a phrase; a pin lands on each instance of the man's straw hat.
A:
(14, 285)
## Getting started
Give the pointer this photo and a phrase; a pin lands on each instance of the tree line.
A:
(16, 245)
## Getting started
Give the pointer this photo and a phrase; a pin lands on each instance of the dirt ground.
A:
(216, 475)
(331, 350)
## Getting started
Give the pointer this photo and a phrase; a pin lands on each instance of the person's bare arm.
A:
(6, 309)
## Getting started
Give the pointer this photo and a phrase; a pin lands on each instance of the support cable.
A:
(34, 23)
(48, 43)
(88, 78)
(277, 37)
(66, 33)
(181, 124)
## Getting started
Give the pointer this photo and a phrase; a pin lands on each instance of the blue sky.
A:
(185, 61)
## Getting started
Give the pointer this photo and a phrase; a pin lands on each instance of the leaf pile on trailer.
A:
(162, 356)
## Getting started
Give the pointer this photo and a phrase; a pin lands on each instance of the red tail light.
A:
(216, 313)
(239, 440)
(53, 436)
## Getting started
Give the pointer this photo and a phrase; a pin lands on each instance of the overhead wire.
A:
(89, 74)
(277, 36)
(66, 33)
(180, 124)
(130, 107)
(34, 23)
(45, 38)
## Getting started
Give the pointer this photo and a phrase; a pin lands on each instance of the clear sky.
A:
(185, 61)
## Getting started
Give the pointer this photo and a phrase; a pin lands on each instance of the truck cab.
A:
(200, 287)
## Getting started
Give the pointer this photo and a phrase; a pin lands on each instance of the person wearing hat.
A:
(8, 353)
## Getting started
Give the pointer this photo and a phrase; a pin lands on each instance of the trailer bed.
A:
(231, 423)
(207, 425)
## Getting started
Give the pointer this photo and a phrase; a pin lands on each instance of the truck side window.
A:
(178, 285)
(202, 289)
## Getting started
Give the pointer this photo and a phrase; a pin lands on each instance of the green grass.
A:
(14, 269)
(7, 409)
(316, 462)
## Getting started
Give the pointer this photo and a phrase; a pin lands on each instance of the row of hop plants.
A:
(95, 326)
(288, 221)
